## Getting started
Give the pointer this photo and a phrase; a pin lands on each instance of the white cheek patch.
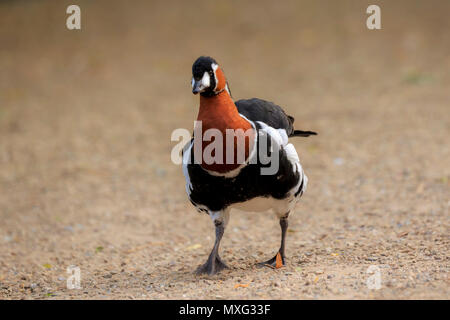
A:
(206, 80)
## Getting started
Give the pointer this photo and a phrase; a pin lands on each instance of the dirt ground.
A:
(86, 177)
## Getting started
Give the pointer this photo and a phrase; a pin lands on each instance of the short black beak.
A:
(197, 87)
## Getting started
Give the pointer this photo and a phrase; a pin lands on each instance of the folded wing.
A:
(271, 114)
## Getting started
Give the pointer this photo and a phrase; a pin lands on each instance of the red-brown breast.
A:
(220, 112)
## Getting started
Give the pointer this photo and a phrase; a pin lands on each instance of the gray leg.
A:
(214, 264)
(284, 226)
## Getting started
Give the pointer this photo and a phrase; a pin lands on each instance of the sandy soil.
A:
(85, 171)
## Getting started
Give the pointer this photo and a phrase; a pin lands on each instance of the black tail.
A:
(300, 133)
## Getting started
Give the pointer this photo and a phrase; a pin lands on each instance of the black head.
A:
(207, 78)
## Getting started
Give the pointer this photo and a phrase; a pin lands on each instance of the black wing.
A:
(271, 114)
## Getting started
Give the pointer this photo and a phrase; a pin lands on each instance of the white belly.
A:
(266, 204)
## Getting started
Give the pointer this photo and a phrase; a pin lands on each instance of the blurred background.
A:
(85, 123)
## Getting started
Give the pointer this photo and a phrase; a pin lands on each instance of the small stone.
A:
(318, 272)
(68, 228)
(160, 172)
(338, 161)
